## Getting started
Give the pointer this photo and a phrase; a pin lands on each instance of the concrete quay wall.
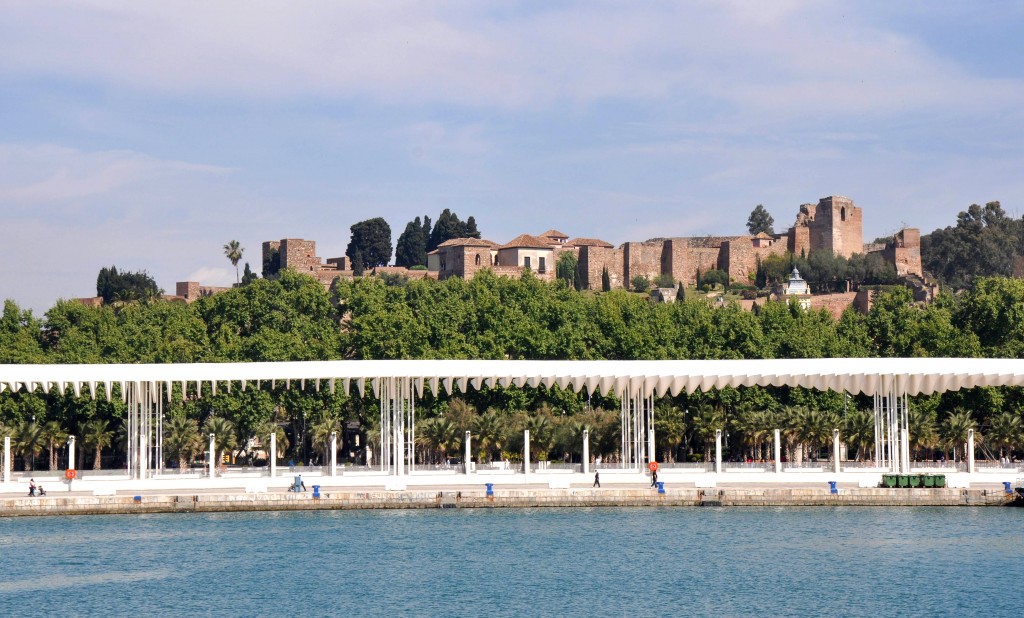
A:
(502, 498)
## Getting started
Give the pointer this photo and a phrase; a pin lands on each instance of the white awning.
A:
(854, 375)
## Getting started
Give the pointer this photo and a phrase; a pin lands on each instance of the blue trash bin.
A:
(490, 489)
(1008, 486)
(832, 487)
(661, 487)
(316, 491)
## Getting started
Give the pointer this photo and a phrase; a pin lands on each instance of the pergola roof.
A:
(854, 375)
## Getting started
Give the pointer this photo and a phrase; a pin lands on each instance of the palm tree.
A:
(224, 438)
(29, 441)
(954, 430)
(705, 423)
(322, 434)
(491, 431)
(54, 434)
(438, 434)
(233, 251)
(97, 433)
(1005, 432)
(922, 431)
(814, 428)
(859, 432)
(540, 434)
(272, 428)
(181, 439)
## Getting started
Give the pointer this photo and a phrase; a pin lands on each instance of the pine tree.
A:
(760, 221)
(606, 280)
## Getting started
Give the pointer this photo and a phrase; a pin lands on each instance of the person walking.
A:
(654, 478)
(597, 479)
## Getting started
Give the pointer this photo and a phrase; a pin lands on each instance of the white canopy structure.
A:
(399, 382)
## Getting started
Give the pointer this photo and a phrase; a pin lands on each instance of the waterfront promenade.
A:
(106, 493)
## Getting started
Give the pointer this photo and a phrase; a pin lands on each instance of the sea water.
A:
(520, 562)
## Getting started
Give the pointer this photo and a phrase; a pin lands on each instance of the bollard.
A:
(832, 487)
(138, 499)
(1008, 487)
(661, 487)
(490, 490)
(316, 491)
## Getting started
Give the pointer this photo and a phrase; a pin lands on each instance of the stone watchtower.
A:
(834, 223)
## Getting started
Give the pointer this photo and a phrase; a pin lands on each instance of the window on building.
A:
(526, 262)
(842, 213)
(541, 267)
(477, 259)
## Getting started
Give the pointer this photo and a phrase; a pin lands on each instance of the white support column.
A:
(213, 458)
(526, 452)
(970, 450)
(7, 459)
(334, 453)
(273, 454)
(586, 452)
(71, 452)
(904, 451)
(835, 450)
(778, 451)
(718, 451)
(469, 452)
(650, 447)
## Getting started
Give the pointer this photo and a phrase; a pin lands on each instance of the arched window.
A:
(842, 213)
(477, 259)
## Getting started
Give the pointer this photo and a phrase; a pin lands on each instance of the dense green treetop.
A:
(371, 241)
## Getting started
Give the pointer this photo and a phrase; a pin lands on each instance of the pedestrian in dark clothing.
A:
(654, 478)
(597, 479)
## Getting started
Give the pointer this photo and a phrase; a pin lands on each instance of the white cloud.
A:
(770, 57)
(31, 175)
(211, 275)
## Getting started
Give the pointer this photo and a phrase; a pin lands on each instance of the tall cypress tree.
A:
(411, 249)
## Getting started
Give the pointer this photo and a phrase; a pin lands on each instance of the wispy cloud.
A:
(785, 57)
(31, 175)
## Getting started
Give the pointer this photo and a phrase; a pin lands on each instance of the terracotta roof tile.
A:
(552, 234)
(525, 241)
(589, 242)
(468, 242)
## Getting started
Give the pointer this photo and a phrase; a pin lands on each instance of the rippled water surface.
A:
(607, 562)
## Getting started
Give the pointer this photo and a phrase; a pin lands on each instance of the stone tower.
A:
(834, 223)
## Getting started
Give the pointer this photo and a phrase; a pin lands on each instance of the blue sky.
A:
(147, 135)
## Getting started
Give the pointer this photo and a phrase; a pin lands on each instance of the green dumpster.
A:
(889, 480)
(915, 480)
(903, 480)
(940, 480)
(929, 480)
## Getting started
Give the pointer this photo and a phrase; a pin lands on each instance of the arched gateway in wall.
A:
(399, 383)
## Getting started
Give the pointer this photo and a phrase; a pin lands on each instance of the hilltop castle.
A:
(833, 224)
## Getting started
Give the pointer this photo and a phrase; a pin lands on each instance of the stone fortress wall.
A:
(835, 224)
